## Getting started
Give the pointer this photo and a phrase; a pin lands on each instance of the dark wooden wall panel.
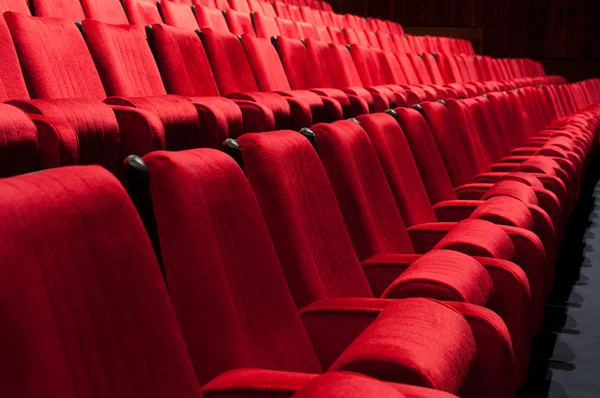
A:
(548, 30)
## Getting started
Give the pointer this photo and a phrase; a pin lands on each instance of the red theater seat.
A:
(191, 230)
(142, 12)
(84, 290)
(177, 14)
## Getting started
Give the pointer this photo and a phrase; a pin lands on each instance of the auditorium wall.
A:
(563, 34)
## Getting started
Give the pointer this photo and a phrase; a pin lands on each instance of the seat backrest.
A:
(400, 168)
(212, 19)
(303, 216)
(427, 156)
(307, 31)
(222, 4)
(266, 27)
(362, 190)
(203, 3)
(141, 12)
(183, 62)
(218, 259)
(109, 11)
(282, 10)
(228, 62)
(449, 142)
(324, 61)
(11, 78)
(20, 6)
(123, 59)
(295, 13)
(82, 292)
(288, 28)
(64, 69)
(266, 64)
(177, 14)
(67, 9)
(268, 9)
(297, 63)
(240, 5)
(239, 23)
(420, 68)
(368, 65)
(337, 35)
(347, 75)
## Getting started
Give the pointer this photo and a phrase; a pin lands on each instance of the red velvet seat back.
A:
(449, 143)
(298, 65)
(362, 190)
(239, 23)
(211, 18)
(20, 6)
(108, 11)
(427, 156)
(124, 59)
(178, 14)
(12, 82)
(303, 216)
(400, 168)
(225, 281)
(346, 73)
(67, 9)
(85, 309)
(266, 65)
(228, 62)
(63, 70)
(183, 62)
(142, 12)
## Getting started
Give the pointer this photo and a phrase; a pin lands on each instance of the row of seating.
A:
(179, 106)
(329, 220)
(299, 261)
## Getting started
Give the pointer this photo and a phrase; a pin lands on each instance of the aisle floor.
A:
(566, 354)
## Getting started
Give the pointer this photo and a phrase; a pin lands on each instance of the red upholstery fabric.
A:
(386, 338)
(362, 191)
(108, 11)
(183, 62)
(20, 6)
(18, 142)
(402, 173)
(141, 12)
(426, 154)
(47, 75)
(211, 18)
(83, 289)
(128, 69)
(179, 15)
(68, 9)
(12, 82)
(123, 59)
(96, 132)
(283, 169)
(266, 27)
(203, 205)
(348, 385)
(240, 23)
(235, 79)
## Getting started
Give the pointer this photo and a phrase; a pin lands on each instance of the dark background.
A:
(563, 34)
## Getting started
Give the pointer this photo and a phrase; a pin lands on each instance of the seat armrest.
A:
(333, 324)
(455, 210)
(246, 383)
(383, 269)
(493, 373)
(57, 140)
(399, 346)
(142, 131)
(444, 275)
(256, 116)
